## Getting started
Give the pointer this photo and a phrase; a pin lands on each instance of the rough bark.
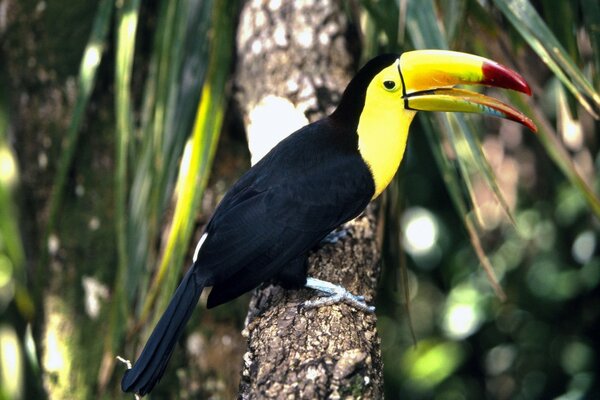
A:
(300, 51)
(328, 352)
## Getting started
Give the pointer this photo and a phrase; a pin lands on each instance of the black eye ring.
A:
(389, 85)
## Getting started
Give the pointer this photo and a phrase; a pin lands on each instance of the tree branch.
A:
(326, 352)
(299, 53)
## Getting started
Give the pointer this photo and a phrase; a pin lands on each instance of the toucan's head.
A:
(384, 96)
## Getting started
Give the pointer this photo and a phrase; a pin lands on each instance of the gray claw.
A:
(334, 237)
(335, 294)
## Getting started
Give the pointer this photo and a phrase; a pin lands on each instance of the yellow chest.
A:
(382, 135)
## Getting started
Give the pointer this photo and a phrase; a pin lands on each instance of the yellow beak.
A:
(429, 77)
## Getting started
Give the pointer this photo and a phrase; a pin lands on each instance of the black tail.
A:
(149, 368)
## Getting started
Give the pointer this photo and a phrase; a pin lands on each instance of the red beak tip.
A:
(498, 75)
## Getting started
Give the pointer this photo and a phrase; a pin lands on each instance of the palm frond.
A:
(538, 35)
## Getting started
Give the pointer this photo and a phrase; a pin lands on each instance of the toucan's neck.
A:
(351, 105)
(382, 136)
(353, 99)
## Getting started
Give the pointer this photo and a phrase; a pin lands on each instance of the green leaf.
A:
(10, 235)
(534, 30)
(472, 160)
(199, 153)
(88, 70)
(591, 18)
(425, 32)
(454, 183)
(454, 17)
(127, 21)
(423, 26)
(549, 139)
(176, 72)
(388, 18)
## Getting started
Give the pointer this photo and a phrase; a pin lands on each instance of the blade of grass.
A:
(371, 35)
(176, 72)
(402, 12)
(454, 17)
(87, 75)
(560, 19)
(172, 88)
(86, 78)
(425, 32)
(483, 258)
(12, 250)
(452, 180)
(387, 17)
(557, 152)
(180, 118)
(423, 26)
(471, 161)
(183, 67)
(10, 235)
(534, 30)
(195, 165)
(391, 215)
(591, 18)
(143, 212)
(476, 163)
(126, 21)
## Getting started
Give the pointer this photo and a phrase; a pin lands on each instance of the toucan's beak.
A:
(430, 75)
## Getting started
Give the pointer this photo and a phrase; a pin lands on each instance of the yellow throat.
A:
(383, 127)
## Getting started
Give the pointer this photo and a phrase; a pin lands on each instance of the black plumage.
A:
(312, 182)
(315, 180)
(306, 186)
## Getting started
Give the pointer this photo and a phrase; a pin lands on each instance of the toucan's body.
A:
(318, 178)
(253, 237)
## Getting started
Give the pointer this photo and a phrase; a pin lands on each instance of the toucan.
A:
(316, 179)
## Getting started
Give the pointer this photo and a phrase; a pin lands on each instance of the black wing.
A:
(280, 209)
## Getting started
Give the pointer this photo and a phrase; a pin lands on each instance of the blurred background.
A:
(119, 133)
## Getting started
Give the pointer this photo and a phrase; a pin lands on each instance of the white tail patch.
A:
(202, 239)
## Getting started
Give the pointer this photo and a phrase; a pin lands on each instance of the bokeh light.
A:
(420, 230)
(463, 314)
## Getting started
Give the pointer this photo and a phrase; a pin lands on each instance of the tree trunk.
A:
(294, 62)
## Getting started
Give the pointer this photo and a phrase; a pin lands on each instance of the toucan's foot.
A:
(335, 294)
(334, 237)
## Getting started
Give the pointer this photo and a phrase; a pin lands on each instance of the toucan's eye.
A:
(389, 85)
